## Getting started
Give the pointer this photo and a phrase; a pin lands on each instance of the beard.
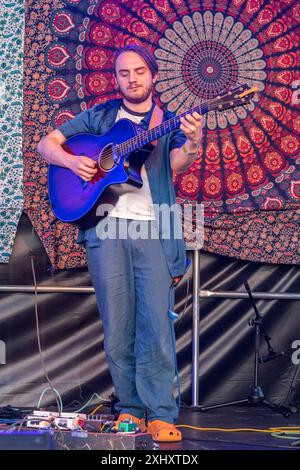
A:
(137, 95)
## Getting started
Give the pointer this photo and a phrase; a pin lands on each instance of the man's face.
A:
(134, 77)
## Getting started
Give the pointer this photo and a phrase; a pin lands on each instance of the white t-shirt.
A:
(137, 203)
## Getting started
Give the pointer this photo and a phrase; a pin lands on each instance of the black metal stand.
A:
(256, 394)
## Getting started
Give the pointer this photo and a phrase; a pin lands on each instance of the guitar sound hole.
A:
(107, 158)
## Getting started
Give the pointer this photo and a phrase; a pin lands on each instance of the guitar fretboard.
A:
(165, 127)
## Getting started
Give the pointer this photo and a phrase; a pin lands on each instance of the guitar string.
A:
(142, 138)
(128, 146)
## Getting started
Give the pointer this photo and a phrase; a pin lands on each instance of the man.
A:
(133, 277)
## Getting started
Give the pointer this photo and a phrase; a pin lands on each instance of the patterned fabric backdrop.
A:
(12, 20)
(247, 172)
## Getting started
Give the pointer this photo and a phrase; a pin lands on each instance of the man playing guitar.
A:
(133, 276)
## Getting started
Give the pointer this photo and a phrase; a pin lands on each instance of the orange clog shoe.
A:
(161, 431)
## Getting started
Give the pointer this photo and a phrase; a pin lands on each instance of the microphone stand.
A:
(255, 393)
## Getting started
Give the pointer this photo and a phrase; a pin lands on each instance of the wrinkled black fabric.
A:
(72, 337)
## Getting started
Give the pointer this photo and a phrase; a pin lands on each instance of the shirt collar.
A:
(116, 104)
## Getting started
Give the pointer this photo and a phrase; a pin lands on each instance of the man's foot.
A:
(128, 417)
(161, 431)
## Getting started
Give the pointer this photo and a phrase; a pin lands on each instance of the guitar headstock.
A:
(236, 97)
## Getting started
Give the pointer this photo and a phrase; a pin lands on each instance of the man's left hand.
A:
(191, 126)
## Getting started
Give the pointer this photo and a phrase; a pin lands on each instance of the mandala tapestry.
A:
(12, 19)
(247, 171)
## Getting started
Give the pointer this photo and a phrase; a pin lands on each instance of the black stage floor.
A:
(256, 417)
(252, 416)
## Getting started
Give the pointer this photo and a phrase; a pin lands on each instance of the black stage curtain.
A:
(72, 338)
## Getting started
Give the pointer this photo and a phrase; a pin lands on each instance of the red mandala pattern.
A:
(274, 162)
(235, 183)
(249, 161)
(57, 55)
(58, 90)
(63, 116)
(62, 22)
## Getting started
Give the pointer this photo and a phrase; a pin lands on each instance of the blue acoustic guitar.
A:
(119, 154)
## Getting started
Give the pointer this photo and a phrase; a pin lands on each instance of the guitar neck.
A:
(165, 127)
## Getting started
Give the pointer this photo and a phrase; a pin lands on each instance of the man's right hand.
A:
(50, 148)
(82, 166)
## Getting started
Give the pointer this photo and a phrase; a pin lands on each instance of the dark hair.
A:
(143, 52)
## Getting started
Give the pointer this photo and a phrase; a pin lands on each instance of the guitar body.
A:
(76, 201)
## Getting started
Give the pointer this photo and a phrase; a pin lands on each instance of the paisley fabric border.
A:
(11, 110)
